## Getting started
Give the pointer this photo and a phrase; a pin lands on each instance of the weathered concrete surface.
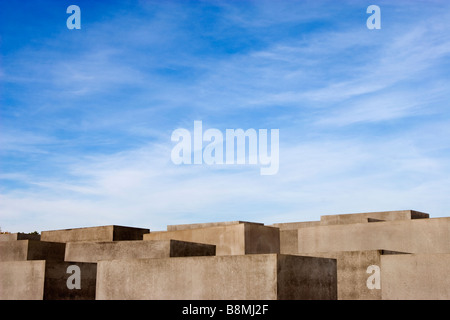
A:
(21, 250)
(372, 217)
(295, 225)
(101, 233)
(40, 279)
(56, 277)
(137, 249)
(415, 277)
(22, 280)
(289, 241)
(413, 236)
(177, 227)
(349, 218)
(19, 236)
(352, 272)
(254, 277)
(234, 239)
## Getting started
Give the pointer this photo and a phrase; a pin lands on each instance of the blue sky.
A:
(86, 115)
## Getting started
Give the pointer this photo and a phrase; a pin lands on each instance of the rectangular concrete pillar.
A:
(40, 279)
(415, 277)
(21, 250)
(102, 233)
(246, 277)
(230, 239)
(413, 236)
(138, 249)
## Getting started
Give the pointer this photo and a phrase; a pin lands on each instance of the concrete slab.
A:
(415, 277)
(230, 239)
(40, 279)
(254, 277)
(414, 236)
(19, 236)
(372, 217)
(21, 250)
(177, 227)
(137, 249)
(22, 280)
(295, 225)
(101, 233)
(352, 272)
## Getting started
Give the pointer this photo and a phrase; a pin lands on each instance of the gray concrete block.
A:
(415, 277)
(21, 250)
(352, 272)
(413, 236)
(19, 236)
(101, 233)
(229, 239)
(254, 277)
(366, 217)
(137, 249)
(45, 280)
(177, 227)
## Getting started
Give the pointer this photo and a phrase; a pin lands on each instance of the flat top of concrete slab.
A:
(381, 215)
(19, 236)
(177, 227)
(94, 227)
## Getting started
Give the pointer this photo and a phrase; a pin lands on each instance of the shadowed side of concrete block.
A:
(229, 239)
(190, 249)
(352, 272)
(19, 236)
(21, 250)
(101, 233)
(261, 239)
(306, 278)
(57, 275)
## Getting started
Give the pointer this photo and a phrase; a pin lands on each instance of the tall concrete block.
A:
(412, 236)
(102, 233)
(40, 279)
(22, 250)
(415, 277)
(254, 277)
(230, 239)
(137, 249)
(352, 275)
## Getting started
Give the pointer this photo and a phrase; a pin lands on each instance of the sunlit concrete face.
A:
(243, 277)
